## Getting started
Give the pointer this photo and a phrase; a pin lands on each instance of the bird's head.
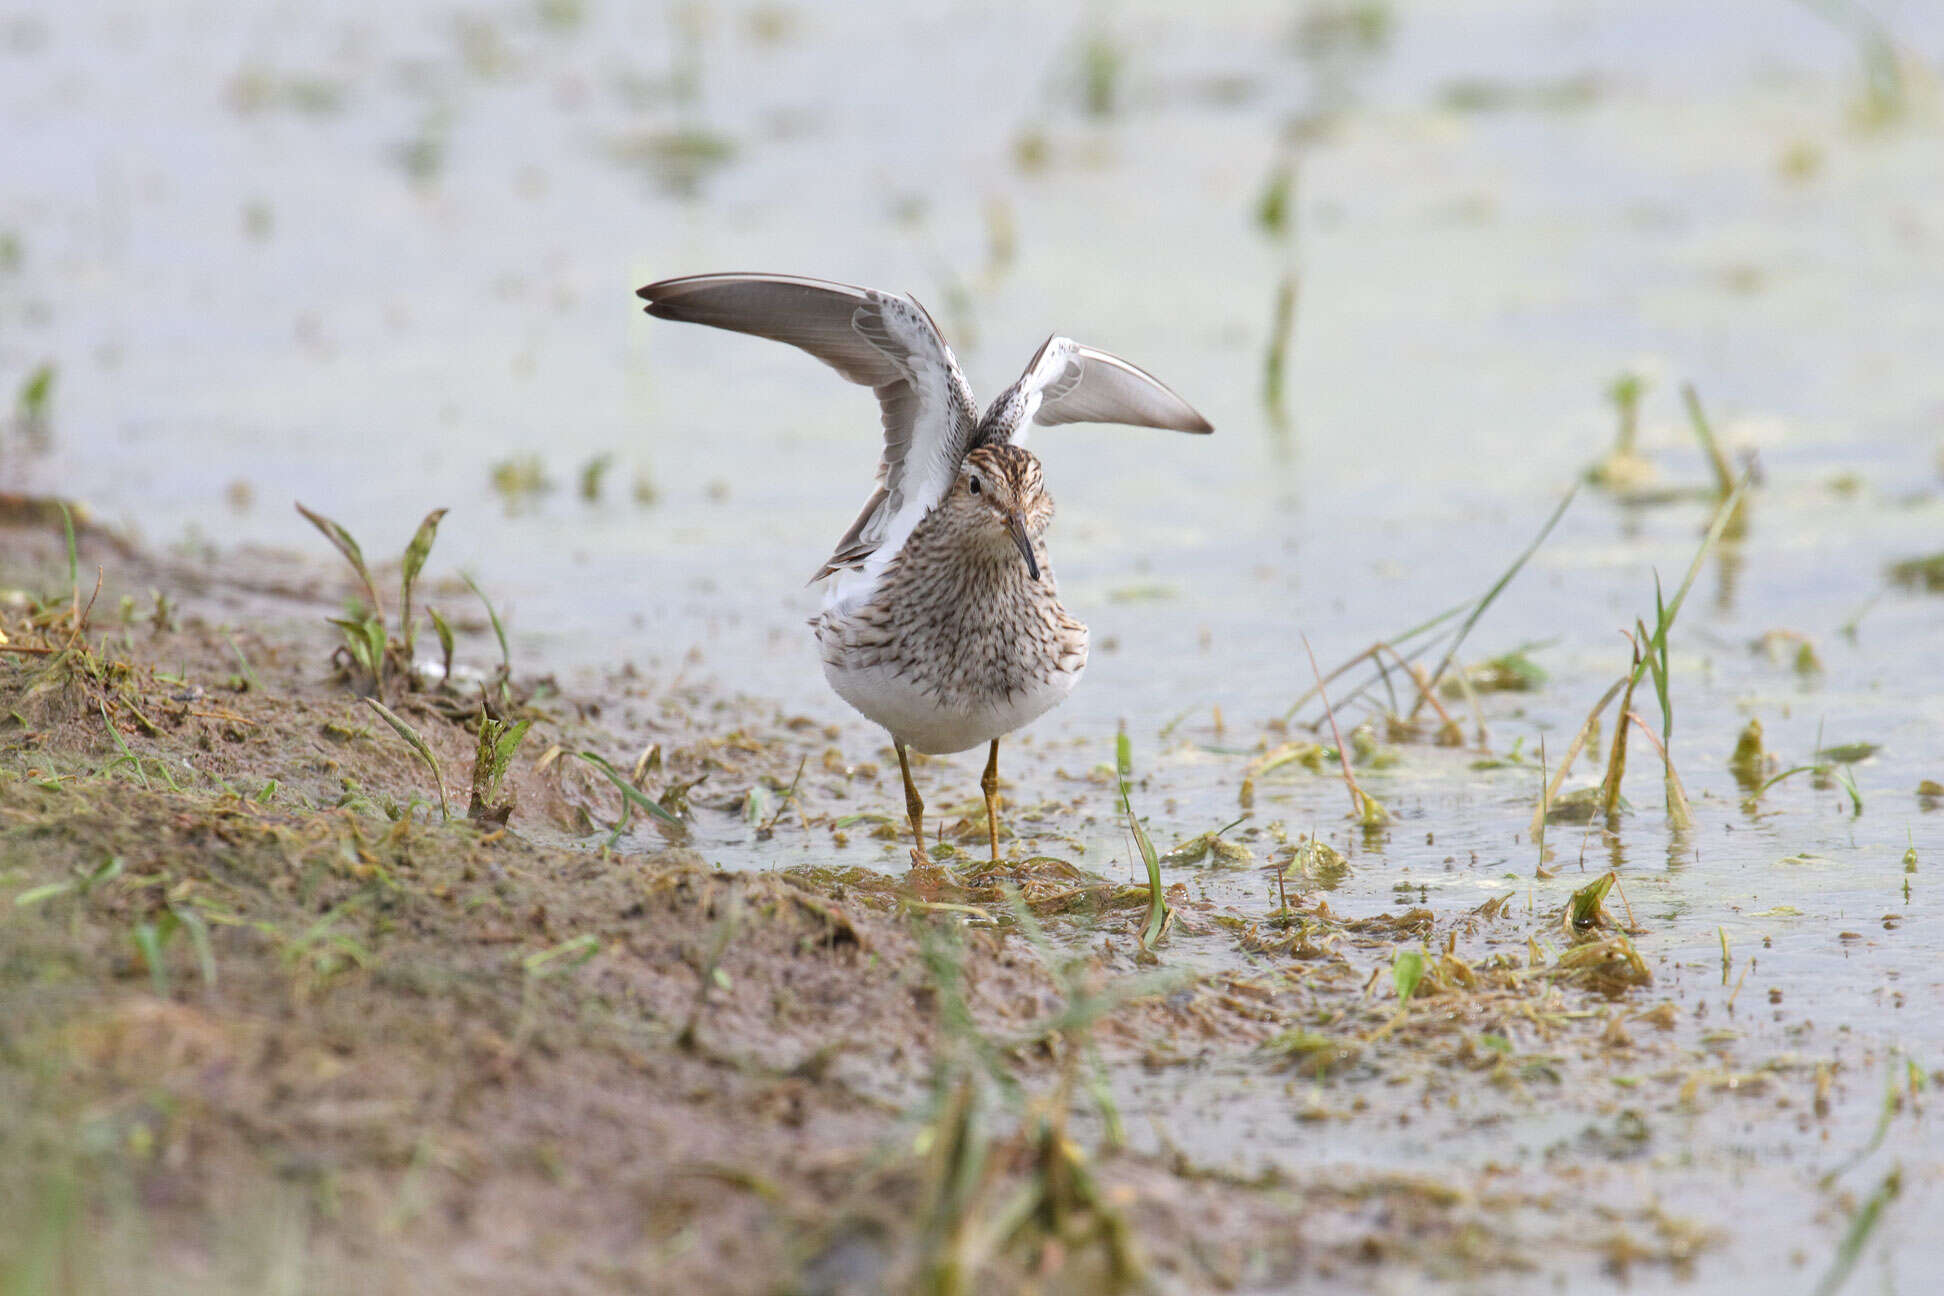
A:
(1000, 494)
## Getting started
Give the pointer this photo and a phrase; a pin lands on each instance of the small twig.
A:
(1632, 924)
(1343, 759)
(789, 798)
(1418, 678)
(1738, 985)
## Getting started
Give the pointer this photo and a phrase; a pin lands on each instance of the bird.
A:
(941, 619)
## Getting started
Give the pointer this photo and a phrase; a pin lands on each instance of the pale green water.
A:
(241, 280)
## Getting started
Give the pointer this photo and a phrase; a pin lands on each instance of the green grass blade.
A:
(1157, 906)
(34, 895)
(345, 544)
(417, 744)
(630, 794)
(415, 555)
(73, 556)
(499, 630)
(1478, 609)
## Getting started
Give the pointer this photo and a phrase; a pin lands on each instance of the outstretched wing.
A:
(885, 342)
(1066, 382)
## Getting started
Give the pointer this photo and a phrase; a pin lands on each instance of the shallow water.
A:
(225, 249)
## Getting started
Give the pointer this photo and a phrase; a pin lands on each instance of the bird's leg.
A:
(989, 784)
(914, 806)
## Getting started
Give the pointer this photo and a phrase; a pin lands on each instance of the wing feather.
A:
(1084, 385)
(885, 342)
(1066, 382)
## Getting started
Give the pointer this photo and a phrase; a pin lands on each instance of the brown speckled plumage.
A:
(957, 614)
(941, 618)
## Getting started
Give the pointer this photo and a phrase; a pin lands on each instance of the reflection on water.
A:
(377, 260)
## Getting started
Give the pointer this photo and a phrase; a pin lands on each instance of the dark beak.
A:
(1016, 523)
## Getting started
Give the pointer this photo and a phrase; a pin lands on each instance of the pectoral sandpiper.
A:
(941, 619)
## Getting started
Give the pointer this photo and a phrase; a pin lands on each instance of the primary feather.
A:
(890, 344)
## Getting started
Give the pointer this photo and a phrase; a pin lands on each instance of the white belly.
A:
(918, 718)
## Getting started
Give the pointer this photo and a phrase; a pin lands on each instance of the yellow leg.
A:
(990, 785)
(914, 805)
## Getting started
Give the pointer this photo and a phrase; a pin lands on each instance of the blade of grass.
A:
(1478, 609)
(346, 545)
(126, 753)
(1396, 642)
(151, 938)
(417, 744)
(415, 555)
(73, 557)
(1157, 916)
(1617, 761)
(444, 631)
(1704, 433)
(1664, 620)
(249, 675)
(192, 922)
(499, 630)
(1282, 330)
(1363, 807)
(1850, 1250)
(629, 795)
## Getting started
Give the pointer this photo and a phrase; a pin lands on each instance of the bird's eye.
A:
(974, 487)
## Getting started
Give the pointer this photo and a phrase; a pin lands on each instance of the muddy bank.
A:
(274, 1020)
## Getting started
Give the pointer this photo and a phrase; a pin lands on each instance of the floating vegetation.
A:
(520, 482)
(1313, 865)
(1624, 469)
(423, 156)
(1313, 1053)
(678, 159)
(561, 15)
(1102, 64)
(1212, 847)
(1509, 672)
(1791, 646)
(1032, 151)
(1884, 99)
(1275, 209)
(592, 474)
(1478, 95)
(1919, 573)
(1750, 762)
(1282, 334)
(1335, 27)
(258, 89)
(35, 398)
